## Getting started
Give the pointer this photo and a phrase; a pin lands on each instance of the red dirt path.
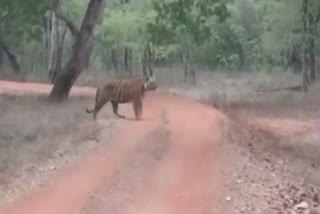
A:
(142, 169)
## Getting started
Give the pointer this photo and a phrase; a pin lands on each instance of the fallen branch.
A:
(297, 88)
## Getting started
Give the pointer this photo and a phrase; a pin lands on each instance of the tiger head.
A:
(150, 84)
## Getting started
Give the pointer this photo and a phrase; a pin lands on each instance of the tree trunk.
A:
(104, 59)
(144, 62)
(47, 27)
(56, 43)
(34, 58)
(53, 47)
(125, 59)
(305, 78)
(130, 62)
(185, 61)
(149, 59)
(58, 66)
(81, 52)
(114, 59)
(1, 57)
(12, 58)
(312, 61)
(193, 74)
(317, 59)
(185, 71)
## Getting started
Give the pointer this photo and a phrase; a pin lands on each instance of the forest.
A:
(231, 125)
(56, 40)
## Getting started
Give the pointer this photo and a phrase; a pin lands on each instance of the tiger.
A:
(123, 91)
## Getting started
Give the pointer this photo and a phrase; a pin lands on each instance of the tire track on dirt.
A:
(69, 192)
(175, 173)
(184, 179)
(189, 181)
(120, 194)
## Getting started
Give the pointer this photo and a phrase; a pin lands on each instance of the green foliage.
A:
(21, 20)
(187, 23)
(232, 34)
(125, 26)
(282, 26)
(75, 9)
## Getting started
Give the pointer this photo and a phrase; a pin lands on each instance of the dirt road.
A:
(167, 163)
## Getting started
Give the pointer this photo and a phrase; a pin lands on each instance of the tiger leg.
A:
(97, 97)
(98, 107)
(140, 109)
(115, 107)
(137, 108)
